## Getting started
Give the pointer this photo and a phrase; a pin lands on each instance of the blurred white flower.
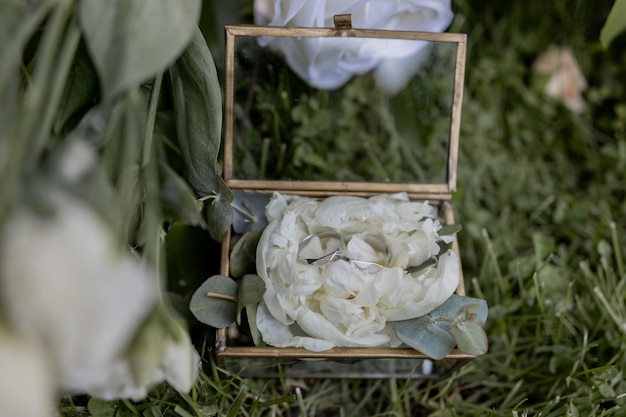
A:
(69, 290)
(328, 63)
(315, 258)
(566, 81)
(79, 157)
(178, 366)
(26, 385)
(180, 362)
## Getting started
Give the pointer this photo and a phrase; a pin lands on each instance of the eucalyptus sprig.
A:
(457, 322)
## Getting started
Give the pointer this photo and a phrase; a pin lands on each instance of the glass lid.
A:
(342, 109)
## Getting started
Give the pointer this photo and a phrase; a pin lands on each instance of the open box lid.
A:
(327, 111)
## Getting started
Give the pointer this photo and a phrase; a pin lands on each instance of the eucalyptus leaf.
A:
(424, 335)
(249, 211)
(470, 337)
(250, 291)
(198, 112)
(458, 307)
(254, 329)
(132, 40)
(219, 212)
(178, 198)
(215, 302)
(243, 255)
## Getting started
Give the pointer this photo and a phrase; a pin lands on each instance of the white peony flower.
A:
(338, 271)
(328, 63)
(68, 289)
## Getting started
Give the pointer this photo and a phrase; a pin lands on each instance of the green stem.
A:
(491, 255)
(617, 248)
(619, 321)
(151, 119)
(37, 99)
(57, 85)
(192, 405)
(243, 212)
(152, 204)
(131, 407)
(207, 197)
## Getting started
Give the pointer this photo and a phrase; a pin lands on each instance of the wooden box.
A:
(427, 162)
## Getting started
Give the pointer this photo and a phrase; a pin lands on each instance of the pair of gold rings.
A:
(334, 244)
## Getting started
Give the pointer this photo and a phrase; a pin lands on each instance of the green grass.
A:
(542, 200)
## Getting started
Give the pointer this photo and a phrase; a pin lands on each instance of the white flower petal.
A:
(181, 362)
(420, 299)
(26, 383)
(277, 334)
(319, 327)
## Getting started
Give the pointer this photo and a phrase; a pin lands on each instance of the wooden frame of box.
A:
(238, 356)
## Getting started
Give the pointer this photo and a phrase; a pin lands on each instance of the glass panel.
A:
(334, 111)
(346, 368)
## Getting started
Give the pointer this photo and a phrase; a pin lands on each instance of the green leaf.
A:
(101, 408)
(249, 211)
(606, 390)
(254, 330)
(458, 307)
(424, 335)
(146, 350)
(449, 229)
(181, 411)
(428, 262)
(219, 212)
(198, 112)
(444, 247)
(208, 410)
(470, 337)
(154, 411)
(250, 291)
(615, 23)
(215, 302)
(178, 199)
(121, 159)
(243, 255)
(132, 40)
